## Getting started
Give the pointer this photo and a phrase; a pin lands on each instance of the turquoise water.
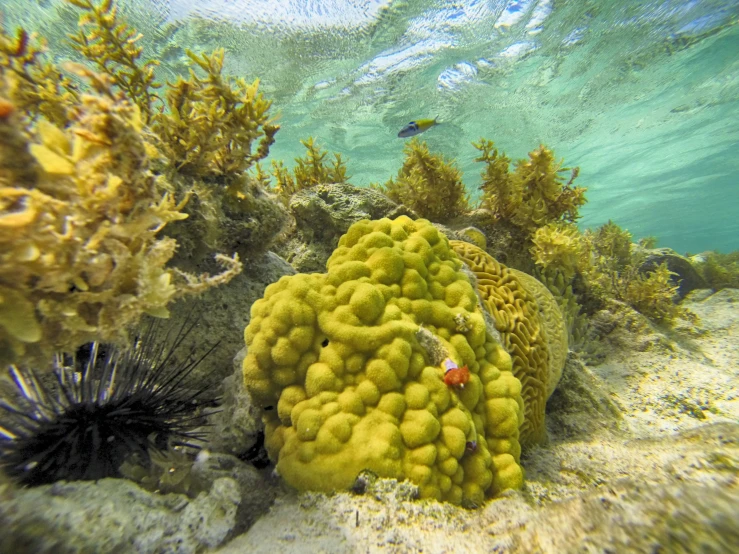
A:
(643, 96)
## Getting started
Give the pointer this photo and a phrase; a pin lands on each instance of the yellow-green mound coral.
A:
(341, 365)
(428, 184)
(537, 359)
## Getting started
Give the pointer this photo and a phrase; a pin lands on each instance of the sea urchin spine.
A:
(85, 424)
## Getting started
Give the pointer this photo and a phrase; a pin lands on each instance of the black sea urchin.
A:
(122, 402)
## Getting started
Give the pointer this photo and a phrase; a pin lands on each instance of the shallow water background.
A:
(642, 95)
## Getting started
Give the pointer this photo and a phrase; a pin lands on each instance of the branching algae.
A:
(534, 194)
(610, 266)
(212, 122)
(80, 209)
(38, 87)
(428, 184)
(309, 171)
(110, 44)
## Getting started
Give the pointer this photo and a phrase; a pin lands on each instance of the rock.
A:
(698, 295)
(504, 241)
(115, 515)
(718, 325)
(238, 423)
(688, 277)
(247, 222)
(630, 517)
(625, 515)
(621, 326)
(222, 314)
(475, 236)
(306, 257)
(323, 213)
(327, 211)
(580, 405)
(257, 489)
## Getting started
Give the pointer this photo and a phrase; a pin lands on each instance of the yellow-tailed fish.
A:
(417, 127)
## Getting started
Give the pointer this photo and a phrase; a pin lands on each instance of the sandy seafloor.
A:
(643, 457)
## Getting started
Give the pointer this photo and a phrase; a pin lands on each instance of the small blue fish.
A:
(417, 127)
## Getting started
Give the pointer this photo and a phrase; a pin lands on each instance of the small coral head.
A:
(455, 376)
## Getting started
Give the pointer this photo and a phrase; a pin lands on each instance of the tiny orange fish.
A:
(455, 376)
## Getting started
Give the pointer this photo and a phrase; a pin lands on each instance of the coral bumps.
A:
(347, 381)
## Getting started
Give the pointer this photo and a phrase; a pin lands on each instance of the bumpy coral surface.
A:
(516, 315)
(340, 365)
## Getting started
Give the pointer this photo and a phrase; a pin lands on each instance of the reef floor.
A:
(643, 456)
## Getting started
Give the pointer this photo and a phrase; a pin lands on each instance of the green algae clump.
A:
(557, 246)
(208, 132)
(110, 44)
(721, 271)
(428, 184)
(212, 122)
(610, 267)
(654, 295)
(37, 86)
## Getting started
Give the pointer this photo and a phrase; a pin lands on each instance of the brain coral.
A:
(554, 326)
(537, 358)
(338, 364)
